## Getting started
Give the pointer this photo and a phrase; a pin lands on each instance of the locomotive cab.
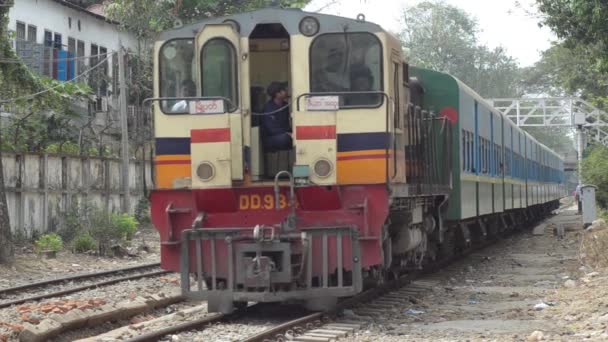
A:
(269, 62)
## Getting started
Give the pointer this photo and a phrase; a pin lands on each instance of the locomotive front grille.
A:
(231, 266)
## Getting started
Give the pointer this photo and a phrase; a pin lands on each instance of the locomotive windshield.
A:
(343, 62)
(176, 63)
(218, 67)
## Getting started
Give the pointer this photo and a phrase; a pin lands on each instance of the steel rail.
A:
(157, 334)
(75, 277)
(212, 318)
(80, 288)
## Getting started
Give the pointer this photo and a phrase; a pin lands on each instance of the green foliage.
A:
(577, 21)
(83, 243)
(125, 224)
(594, 172)
(142, 212)
(103, 230)
(49, 242)
(580, 62)
(75, 221)
(443, 37)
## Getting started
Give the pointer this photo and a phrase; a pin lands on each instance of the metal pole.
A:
(580, 137)
(124, 129)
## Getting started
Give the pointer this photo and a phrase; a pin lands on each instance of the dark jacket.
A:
(277, 123)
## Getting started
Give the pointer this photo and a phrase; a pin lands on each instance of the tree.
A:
(594, 172)
(442, 37)
(39, 99)
(578, 22)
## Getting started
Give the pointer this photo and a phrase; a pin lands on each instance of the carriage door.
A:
(217, 144)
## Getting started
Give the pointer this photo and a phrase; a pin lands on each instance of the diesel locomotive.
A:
(383, 176)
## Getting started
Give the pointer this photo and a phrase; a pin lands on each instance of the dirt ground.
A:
(530, 287)
(30, 267)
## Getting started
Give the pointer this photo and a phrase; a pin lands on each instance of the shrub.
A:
(70, 148)
(125, 224)
(103, 230)
(142, 212)
(52, 148)
(49, 242)
(83, 243)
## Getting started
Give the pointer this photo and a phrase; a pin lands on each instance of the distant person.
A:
(187, 89)
(276, 129)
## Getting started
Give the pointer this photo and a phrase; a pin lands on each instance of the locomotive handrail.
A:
(388, 116)
(231, 106)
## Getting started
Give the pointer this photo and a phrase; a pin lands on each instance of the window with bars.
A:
(48, 38)
(80, 62)
(20, 31)
(57, 41)
(32, 31)
(103, 71)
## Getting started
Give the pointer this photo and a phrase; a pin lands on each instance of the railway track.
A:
(317, 326)
(15, 295)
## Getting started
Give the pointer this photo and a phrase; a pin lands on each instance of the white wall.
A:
(52, 16)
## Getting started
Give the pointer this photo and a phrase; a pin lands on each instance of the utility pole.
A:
(122, 70)
(579, 139)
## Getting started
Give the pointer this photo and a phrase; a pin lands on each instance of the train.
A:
(389, 168)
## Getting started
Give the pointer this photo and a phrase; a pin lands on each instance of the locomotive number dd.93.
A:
(262, 202)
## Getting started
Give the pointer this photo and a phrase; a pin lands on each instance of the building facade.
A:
(62, 40)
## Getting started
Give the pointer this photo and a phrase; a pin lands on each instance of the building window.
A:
(80, 54)
(20, 31)
(70, 22)
(57, 43)
(48, 38)
(342, 62)
(78, 25)
(71, 55)
(32, 31)
(103, 71)
(94, 55)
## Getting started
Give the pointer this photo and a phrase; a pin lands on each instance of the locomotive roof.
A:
(288, 17)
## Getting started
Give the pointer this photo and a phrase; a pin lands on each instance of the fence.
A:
(41, 187)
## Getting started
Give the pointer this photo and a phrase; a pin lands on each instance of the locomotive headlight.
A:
(309, 26)
(322, 168)
(205, 171)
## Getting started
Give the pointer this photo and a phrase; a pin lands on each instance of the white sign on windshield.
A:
(323, 103)
(207, 107)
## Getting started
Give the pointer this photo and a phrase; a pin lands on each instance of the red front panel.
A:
(363, 207)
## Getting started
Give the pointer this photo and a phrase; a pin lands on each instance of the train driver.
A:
(361, 80)
(187, 89)
(276, 129)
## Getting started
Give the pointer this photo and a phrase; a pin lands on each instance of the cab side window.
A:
(347, 62)
(176, 63)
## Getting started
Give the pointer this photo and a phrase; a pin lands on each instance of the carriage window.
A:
(219, 77)
(343, 62)
(176, 62)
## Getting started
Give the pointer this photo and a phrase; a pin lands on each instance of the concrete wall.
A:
(40, 187)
